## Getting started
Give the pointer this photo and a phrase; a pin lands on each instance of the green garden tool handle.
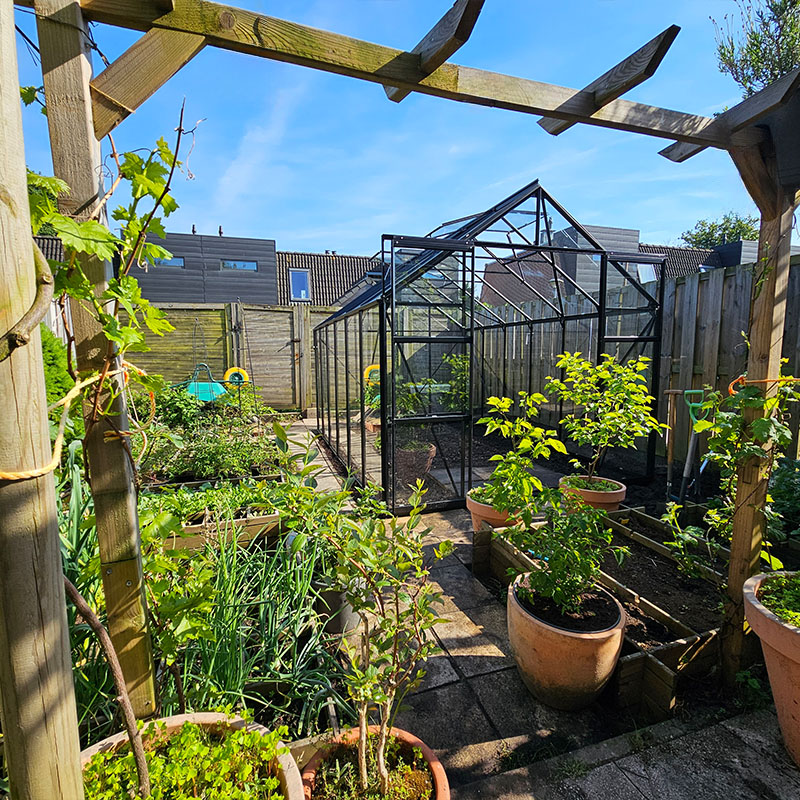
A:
(695, 406)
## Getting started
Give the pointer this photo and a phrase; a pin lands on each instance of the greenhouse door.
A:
(427, 313)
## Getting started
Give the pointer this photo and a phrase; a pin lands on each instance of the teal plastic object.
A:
(204, 390)
(696, 406)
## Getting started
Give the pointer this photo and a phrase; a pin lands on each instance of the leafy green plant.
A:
(693, 551)
(752, 692)
(612, 405)
(512, 484)
(781, 595)
(382, 565)
(192, 763)
(456, 398)
(570, 547)
(785, 493)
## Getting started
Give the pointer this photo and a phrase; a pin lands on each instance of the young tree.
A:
(731, 227)
(765, 47)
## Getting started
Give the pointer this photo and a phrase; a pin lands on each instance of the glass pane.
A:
(250, 266)
(299, 285)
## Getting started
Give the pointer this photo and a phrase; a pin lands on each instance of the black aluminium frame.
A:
(446, 287)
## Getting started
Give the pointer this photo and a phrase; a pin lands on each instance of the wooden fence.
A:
(273, 343)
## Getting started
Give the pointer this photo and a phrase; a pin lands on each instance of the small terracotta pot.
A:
(564, 669)
(780, 642)
(441, 788)
(608, 501)
(482, 512)
(291, 785)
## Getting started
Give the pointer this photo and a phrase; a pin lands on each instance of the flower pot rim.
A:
(206, 719)
(620, 484)
(441, 787)
(621, 619)
(750, 592)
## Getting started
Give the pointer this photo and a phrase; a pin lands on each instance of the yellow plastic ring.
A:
(236, 375)
(369, 370)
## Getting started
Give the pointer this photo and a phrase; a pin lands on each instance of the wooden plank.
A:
(630, 72)
(659, 688)
(66, 69)
(667, 345)
(139, 72)
(743, 114)
(40, 746)
(711, 324)
(686, 373)
(249, 32)
(196, 537)
(449, 34)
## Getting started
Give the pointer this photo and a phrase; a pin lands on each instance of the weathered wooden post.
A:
(37, 703)
(66, 69)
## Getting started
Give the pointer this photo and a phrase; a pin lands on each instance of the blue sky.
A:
(319, 161)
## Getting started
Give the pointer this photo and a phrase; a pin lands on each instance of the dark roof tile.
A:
(682, 260)
(330, 274)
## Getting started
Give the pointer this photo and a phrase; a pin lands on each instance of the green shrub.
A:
(56, 377)
(785, 491)
(781, 595)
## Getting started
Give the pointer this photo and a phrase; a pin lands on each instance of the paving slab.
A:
(471, 652)
(460, 589)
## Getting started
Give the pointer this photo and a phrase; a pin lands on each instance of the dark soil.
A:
(644, 630)
(693, 601)
(597, 612)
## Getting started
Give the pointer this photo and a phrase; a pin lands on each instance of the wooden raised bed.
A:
(245, 530)
(646, 680)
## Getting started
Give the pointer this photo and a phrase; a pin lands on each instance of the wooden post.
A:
(66, 69)
(37, 702)
(305, 355)
(767, 313)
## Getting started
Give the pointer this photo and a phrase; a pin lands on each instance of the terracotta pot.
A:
(564, 669)
(291, 786)
(482, 512)
(781, 644)
(608, 501)
(441, 788)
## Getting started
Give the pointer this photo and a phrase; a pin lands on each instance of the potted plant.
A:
(612, 408)
(772, 608)
(413, 450)
(512, 484)
(381, 563)
(565, 632)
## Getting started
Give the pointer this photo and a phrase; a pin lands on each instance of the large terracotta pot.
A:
(781, 644)
(608, 501)
(291, 786)
(482, 512)
(564, 669)
(441, 788)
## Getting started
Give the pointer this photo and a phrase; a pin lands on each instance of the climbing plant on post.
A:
(37, 702)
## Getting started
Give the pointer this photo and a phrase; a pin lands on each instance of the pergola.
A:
(35, 680)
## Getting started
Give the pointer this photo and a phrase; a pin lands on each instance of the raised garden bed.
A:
(245, 530)
(660, 648)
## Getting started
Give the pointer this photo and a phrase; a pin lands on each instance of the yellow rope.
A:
(65, 401)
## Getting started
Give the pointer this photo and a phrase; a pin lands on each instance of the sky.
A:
(324, 162)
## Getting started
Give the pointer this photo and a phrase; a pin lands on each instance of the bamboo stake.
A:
(39, 719)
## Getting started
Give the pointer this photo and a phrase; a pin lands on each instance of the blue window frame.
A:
(299, 285)
(230, 263)
(175, 261)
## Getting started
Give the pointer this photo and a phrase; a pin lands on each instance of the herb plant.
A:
(612, 405)
(239, 765)
(693, 551)
(570, 547)
(781, 595)
(512, 484)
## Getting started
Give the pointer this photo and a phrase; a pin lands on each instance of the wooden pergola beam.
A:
(449, 34)
(244, 31)
(742, 115)
(138, 73)
(630, 72)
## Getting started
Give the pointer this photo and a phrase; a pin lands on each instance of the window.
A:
(647, 273)
(229, 263)
(298, 284)
(175, 261)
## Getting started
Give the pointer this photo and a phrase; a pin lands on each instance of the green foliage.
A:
(56, 375)
(382, 566)
(744, 427)
(240, 765)
(512, 484)
(731, 227)
(763, 46)
(43, 194)
(612, 405)
(751, 691)
(692, 550)
(781, 595)
(785, 492)
(569, 547)
(177, 408)
(456, 398)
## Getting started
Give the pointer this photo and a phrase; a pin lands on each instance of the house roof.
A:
(51, 247)
(330, 274)
(503, 279)
(682, 260)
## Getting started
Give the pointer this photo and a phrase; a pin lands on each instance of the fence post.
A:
(304, 358)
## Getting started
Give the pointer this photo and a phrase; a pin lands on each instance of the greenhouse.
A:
(481, 306)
